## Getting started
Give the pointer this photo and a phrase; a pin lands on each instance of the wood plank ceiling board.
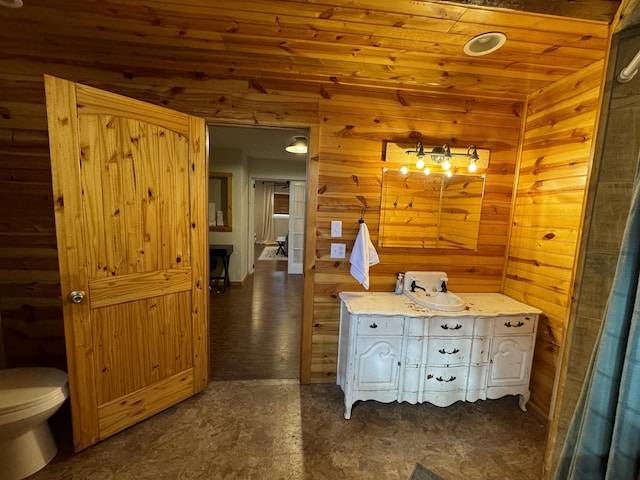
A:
(412, 45)
(599, 10)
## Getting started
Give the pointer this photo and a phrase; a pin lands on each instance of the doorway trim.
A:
(308, 270)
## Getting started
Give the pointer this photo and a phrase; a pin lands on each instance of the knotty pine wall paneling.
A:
(614, 170)
(29, 281)
(353, 126)
(548, 213)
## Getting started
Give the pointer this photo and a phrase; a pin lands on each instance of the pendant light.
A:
(297, 145)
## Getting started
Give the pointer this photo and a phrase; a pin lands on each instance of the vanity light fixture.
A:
(419, 151)
(472, 166)
(472, 153)
(297, 145)
(442, 156)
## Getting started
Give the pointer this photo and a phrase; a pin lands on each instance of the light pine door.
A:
(130, 199)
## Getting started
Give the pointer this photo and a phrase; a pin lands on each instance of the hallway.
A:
(255, 327)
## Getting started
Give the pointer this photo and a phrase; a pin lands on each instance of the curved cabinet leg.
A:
(347, 410)
(522, 400)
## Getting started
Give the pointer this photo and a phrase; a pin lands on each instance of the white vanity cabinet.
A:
(511, 356)
(391, 349)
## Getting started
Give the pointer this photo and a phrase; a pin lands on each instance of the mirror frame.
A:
(227, 179)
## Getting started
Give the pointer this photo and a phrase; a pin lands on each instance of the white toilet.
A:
(28, 397)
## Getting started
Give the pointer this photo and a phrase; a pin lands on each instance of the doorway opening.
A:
(255, 323)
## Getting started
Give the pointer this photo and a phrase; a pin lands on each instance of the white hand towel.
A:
(363, 255)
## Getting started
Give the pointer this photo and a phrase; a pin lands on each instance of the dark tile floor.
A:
(277, 429)
(274, 428)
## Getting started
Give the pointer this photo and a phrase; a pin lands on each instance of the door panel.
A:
(153, 332)
(297, 193)
(141, 228)
(123, 412)
(130, 193)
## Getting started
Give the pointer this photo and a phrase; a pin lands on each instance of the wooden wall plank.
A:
(548, 212)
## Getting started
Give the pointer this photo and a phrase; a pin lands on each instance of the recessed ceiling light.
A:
(484, 44)
(11, 3)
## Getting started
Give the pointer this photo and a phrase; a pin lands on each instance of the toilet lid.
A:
(23, 387)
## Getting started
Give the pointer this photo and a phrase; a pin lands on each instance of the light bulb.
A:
(472, 167)
(420, 163)
(446, 165)
(427, 171)
(404, 169)
(297, 145)
(449, 173)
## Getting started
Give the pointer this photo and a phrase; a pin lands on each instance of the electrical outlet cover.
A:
(338, 250)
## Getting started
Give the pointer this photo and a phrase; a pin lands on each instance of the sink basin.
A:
(445, 302)
(429, 290)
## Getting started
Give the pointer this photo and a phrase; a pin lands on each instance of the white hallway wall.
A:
(244, 170)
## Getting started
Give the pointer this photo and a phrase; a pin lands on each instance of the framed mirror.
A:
(434, 210)
(220, 195)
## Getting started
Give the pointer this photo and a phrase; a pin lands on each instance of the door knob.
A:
(77, 296)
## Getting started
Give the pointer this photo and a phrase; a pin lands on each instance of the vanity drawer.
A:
(461, 326)
(444, 379)
(514, 324)
(380, 326)
(445, 351)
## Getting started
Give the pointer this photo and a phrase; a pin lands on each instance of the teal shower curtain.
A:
(603, 441)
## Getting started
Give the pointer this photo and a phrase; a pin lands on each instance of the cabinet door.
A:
(510, 360)
(377, 363)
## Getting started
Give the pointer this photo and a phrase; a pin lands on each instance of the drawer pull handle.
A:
(440, 379)
(447, 327)
(443, 351)
(519, 324)
(373, 325)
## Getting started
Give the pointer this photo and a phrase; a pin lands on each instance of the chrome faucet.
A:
(414, 286)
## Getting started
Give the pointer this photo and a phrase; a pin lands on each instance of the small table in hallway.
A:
(224, 252)
(281, 242)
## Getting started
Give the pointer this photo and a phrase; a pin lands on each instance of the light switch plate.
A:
(336, 228)
(338, 250)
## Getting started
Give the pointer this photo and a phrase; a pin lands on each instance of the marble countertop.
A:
(388, 303)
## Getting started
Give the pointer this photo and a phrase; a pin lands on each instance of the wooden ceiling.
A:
(401, 44)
